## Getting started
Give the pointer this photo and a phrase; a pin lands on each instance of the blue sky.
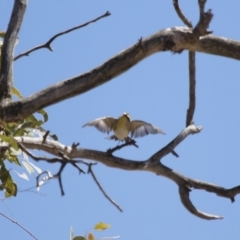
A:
(156, 91)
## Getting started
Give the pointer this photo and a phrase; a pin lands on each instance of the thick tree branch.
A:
(48, 43)
(174, 39)
(152, 164)
(10, 38)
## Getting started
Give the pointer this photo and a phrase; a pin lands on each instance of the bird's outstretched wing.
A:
(140, 129)
(104, 124)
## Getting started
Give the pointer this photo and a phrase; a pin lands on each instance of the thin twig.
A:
(192, 88)
(59, 177)
(132, 142)
(181, 15)
(174, 153)
(13, 221)
(101, 188)
(48, 43)
(45, 136)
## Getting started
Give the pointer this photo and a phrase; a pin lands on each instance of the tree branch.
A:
(101, 188)
(192, 90)
(174, 39)
(10, 38)
(152, 164)
(48, 43)
(181, 14)
(204, 20)
(191, 59)
(191, 129)
(64, 161)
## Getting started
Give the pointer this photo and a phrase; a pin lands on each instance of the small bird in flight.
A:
(122, 126)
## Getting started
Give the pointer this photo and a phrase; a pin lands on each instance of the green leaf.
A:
(16, 92)
(2, 34)
(13, 158)
(27, 125)
(31, 118)
(32, 122)
(79, 238)
(19, 132)
(11, 189)
(9, 186)
(10, 140)
(44, 114)
(4, 125)
(101, 226)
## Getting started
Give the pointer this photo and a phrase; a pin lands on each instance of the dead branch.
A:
(181, 14)
(174, 39)
(191, 129)
(48, 43)
(204, 20)
(101, 188)
(151, 165)
(192, 88)
(64, 160)
(8, 47)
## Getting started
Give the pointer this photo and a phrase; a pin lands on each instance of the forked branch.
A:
(64, 160)
(152, 164)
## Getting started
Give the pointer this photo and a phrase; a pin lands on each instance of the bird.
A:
(122, 126)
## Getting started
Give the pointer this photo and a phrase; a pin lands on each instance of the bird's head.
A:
(127, 116)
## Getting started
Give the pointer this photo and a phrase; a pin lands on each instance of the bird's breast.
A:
(121, 133)
(121, 128)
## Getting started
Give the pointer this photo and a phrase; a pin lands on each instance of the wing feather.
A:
(104, 124)
(141, 128)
